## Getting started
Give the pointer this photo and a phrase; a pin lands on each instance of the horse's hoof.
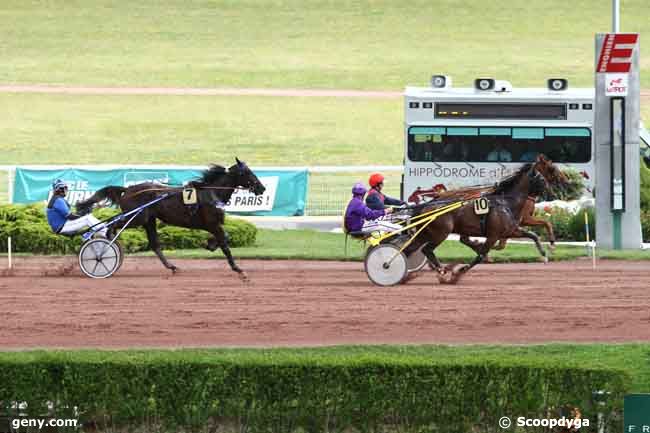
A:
(448, 278)
(447, 274)
(244, 277)
(174, 269)
(453, 274)
(442, 273)
(551, 246)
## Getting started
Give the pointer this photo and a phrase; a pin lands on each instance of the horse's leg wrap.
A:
(226, 251)
(152, 236)
(502, 244)
(551, 234)
(535, 238)
(478, 259)
(482, 254)
(427, 250)
(212, 244)
(221, 240)
(474, 245)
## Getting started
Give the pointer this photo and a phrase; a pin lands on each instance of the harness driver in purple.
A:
(359, 218)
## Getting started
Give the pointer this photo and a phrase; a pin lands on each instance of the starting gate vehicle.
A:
(456, 137)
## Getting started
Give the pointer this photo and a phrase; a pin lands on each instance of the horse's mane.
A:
(212, 174)
(508, 182)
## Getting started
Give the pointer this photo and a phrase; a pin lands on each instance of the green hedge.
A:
(570, 227)
(567, 226)
(644, 174)
(30, 233)
(285, 391)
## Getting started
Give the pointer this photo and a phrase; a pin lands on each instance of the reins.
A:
(178, 189)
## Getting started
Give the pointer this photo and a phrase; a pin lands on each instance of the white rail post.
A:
(9, 264)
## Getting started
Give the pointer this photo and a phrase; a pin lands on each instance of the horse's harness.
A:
(193, 208)
(178, 189)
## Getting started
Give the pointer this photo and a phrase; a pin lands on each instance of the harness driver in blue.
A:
(61, 219)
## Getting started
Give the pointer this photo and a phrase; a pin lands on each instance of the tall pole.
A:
(616, 216)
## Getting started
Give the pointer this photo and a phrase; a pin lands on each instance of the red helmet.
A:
(376, 179)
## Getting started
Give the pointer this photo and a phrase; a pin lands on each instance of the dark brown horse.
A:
(506, 201)
(544, 166)
(555, 177)
(213, 190)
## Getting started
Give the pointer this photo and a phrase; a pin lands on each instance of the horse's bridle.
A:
(249, 183)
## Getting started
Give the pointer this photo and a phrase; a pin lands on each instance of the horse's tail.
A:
(110, 193)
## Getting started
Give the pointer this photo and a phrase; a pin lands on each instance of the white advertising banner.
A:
(246, 201)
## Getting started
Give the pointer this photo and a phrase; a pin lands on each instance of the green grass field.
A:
(313, 245)
(65, 129)
(300, 44)
(280, 131)
(379, 44)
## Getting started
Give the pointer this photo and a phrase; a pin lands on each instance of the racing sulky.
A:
(212, 190)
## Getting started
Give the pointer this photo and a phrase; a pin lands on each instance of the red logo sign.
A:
(616, 54)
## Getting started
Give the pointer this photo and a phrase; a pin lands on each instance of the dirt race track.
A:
(48, 303)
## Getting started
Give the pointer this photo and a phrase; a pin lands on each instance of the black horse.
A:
(213, 189)
(506, 202)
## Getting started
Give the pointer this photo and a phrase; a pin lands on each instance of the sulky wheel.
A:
(416, 261)
(119, 247)
(99, 258)
(386, 265)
